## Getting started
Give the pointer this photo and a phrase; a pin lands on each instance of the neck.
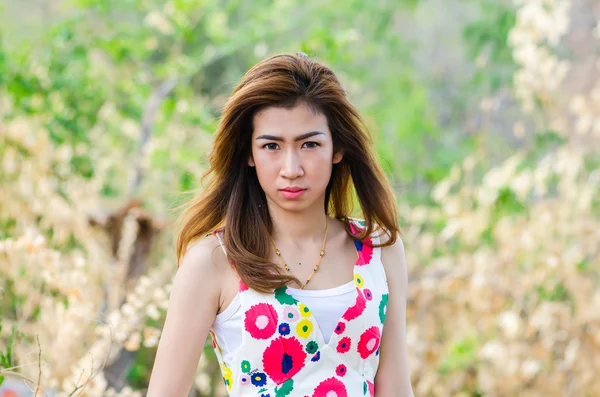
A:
(305, 226)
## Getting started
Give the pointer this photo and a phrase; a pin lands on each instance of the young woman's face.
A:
(292, 150)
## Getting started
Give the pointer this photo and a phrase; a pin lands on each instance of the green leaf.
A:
(507, 203)
(286, 388)
(282, 297)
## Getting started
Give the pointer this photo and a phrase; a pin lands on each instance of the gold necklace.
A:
(321, 254)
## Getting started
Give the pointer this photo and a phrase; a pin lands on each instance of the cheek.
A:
(323, 158)
(266, 167)
(318, 166)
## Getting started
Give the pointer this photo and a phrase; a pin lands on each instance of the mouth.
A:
(292, 193)
(292, 189)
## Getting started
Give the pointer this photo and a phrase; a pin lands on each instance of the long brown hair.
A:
(232, 195)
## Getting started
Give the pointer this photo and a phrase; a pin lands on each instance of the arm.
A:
(393, 375)
(193, 305)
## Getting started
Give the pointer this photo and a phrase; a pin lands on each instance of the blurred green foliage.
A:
(487, 37)
(119, 52)
(6, 349)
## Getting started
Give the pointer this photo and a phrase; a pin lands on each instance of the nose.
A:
(292, 166)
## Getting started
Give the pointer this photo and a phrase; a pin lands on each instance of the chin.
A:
(297, 206)
(293, 206)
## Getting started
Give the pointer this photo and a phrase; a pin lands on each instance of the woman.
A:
(293, 292)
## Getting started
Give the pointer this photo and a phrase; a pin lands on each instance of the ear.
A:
(337, 157)
(251, 161)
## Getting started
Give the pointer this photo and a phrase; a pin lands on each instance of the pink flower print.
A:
(330, 387)
(368, 294)
(261, 321)
(369, 342)
(340, 328)
(283, 358)
(341, 370)
(344, 345)
(357, 309)
(291, 314)
(244, 379)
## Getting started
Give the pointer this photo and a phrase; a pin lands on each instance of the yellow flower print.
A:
(304, 328)
(358, 280)
(227, 376)
(304, 310)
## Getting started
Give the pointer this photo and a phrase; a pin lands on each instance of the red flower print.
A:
(358, 307)
(330, 388)
(261, 321)
(344, 345)
(369, 342)
(365, 251)
(213, 338)
(341, 370)
(341, 327)
(283, 359)
(369, 386)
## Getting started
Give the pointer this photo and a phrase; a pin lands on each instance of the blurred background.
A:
(485, 114)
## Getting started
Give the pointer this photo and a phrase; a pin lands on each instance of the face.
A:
(292, 150)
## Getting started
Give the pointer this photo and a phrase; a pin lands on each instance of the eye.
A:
(271, 146)
(311, 145)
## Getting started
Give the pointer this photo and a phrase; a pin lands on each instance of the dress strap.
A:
(219, 235)
(221, 243)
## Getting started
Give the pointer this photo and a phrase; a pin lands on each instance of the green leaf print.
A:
(312, 347)
(383, 307)
(286, 388)
(282, 297)
(245, 366)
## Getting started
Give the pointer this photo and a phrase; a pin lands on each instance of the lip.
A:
(292, 189)
(292, 193)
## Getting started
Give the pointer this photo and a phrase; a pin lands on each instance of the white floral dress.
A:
(283, 353)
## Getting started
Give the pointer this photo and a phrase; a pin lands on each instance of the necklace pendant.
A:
(321, 254)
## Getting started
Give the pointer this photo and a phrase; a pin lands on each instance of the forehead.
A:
(289, 121)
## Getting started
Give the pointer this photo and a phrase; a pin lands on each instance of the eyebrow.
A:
(298, 138)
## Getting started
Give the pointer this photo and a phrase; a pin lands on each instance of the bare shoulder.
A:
(394, 261)
(192, 309)
(201, 269)
(204, 252)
